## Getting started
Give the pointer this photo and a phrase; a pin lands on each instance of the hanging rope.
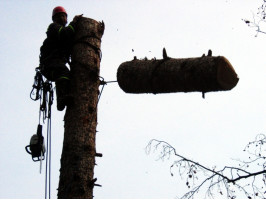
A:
(48, 103)
(43, 91)
(48, 161)
(103, 83)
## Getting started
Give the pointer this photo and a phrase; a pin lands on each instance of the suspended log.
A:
(201, 74)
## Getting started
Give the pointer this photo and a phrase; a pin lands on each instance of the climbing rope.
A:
(48, 160)
(49, 102)
(43, 91)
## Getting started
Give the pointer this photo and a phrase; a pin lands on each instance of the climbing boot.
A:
(62, 94)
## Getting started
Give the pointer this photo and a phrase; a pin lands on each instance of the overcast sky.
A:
(211, 131)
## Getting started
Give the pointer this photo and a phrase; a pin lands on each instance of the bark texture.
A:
(78, 155)
(202, 74)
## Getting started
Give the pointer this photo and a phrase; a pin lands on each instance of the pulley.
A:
(36, 147)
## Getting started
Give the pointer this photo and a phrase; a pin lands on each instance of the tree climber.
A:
(55, 53)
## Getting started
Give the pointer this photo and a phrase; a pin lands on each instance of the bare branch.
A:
(228, 178)
(258, 18)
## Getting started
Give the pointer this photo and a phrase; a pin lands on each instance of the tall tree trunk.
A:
(78, 155)
(202, 74)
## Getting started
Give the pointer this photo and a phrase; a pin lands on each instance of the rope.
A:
(48, 161)
(96, 49)
(43, 91)
(49, 145)
(103, 83)
(99, 97)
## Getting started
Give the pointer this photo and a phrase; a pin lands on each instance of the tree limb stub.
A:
(200, 74)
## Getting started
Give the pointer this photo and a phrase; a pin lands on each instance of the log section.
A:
(202, 74)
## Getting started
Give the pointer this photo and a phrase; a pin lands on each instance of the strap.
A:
(95, 48)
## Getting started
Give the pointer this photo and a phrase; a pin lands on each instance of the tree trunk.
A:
(78, 155)
(203, 74)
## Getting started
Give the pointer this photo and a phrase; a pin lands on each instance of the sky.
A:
(212, 131)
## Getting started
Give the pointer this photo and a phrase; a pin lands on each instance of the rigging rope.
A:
(103, 83)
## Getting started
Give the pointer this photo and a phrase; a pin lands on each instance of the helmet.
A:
(58, 9)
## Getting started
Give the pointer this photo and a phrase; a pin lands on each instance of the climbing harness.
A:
(43, 91)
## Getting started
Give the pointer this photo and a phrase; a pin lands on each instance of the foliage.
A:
(229, 182)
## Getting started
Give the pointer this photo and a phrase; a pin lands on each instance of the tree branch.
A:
(227, 178)
(257, 19)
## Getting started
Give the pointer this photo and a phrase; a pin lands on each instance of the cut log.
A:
(202, 74)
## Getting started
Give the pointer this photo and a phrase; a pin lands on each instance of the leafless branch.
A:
(228, 181)
(258, 18)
